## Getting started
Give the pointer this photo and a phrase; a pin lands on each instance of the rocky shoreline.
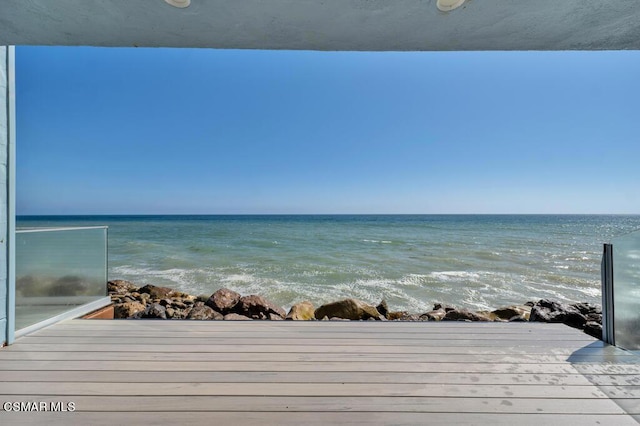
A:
(153, 302)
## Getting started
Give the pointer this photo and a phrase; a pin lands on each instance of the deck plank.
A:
(189, 403)
(294, 341)
(160, 347)
(316, 418)
(319, 377)
(319, 356)
(319, 390)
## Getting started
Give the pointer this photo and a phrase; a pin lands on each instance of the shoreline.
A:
(164, 303)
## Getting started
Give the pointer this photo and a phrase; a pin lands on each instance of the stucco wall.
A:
(4, 137)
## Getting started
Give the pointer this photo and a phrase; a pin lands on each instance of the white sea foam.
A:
(378, 241)
(452, 275)
(238, 278)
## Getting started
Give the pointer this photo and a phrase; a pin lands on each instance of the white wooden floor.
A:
(219, 372)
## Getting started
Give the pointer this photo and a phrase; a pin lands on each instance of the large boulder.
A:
(435, 315)
(446, 308)
(574, 319)
(155, 311)
(302, 311)
(549, 311)
(587, 308)
(202, 312)
(397, 315)
(156, 292)
(593, 313)
(513, 313)
(546, 310)
(594, 329)
(127, 309)
(351, 309)
(223, 300)
(257, 307)
(121, 287)
(236, 317)
(464, 315)
(410, 317)
(383, 308)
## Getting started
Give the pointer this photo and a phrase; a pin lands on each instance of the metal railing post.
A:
(608, 306)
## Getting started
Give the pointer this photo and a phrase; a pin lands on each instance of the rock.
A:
(509, 312)
(351, 309)
(156, 292)
(166, 302)
(179, 313)
(490, 315)
(437, 315)
(572, 315)
(464, 315)
(594, 329)
(170, 312)
(575, 319)
(257, 307)
(203, 312)
(446, 308)
(188, 298)
(409, 317)
(303, 311)
(127, 309)
(382, 308)
(178, 304)
(223, 300)
(154, 310)
(595, 318)
(587, 308)
(395, 316)
(181, 295)
(275, 317)
(547, 311)
(121, 287)
(236, 317)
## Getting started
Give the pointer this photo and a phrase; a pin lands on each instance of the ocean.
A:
(473, 261)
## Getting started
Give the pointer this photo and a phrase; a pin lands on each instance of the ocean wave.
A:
(451, 275)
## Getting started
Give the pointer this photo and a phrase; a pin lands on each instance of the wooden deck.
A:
(195, 372)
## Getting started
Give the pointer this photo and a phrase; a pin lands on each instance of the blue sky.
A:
(143, 131)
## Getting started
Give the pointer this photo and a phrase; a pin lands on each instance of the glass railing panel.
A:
(626, 291)
(58, 269)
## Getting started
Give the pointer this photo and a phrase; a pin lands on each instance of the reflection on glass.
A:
(626, 291)
(58, 270)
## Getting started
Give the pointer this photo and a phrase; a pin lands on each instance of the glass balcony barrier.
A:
(626, 291)
(60, 273)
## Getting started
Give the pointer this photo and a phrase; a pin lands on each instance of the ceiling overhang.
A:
(349, 25)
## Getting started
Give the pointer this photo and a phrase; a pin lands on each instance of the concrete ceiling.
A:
(360, 25)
